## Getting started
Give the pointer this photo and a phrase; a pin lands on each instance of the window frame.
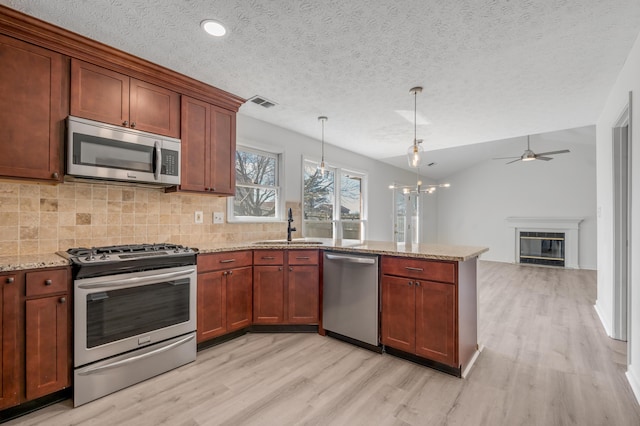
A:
(337, 221)
(269, 151)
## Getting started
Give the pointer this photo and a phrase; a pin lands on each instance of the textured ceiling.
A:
(491, 70)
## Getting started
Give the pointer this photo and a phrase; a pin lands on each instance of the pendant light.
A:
(415, 151)
(322, 168)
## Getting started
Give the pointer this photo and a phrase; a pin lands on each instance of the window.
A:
(333, 203)
(258, 193)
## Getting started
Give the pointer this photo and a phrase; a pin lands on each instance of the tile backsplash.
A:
(41, 218)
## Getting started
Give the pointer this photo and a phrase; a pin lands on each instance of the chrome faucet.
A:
(289, 228)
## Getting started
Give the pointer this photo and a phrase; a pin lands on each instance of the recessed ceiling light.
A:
(214, 28)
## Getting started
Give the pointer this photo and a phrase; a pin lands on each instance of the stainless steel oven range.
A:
(134, 315)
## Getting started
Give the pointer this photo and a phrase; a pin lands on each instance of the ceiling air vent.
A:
(263, 102)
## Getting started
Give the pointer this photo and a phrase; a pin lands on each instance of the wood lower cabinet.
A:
(208, 148)
(224, 293)
(9, 343)
(111, 97)
(286, 287)
(36, 334)
(419, 314)
(33, 106)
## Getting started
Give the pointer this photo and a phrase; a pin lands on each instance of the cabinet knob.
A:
(55, 175)
(230, 272)
(290, 269)
(133, 125)
(62, 300)
(125, 123)
(410, 283)
(48, 282)
(280, 268)
(224, 274)
(10, 280)
(417, 283)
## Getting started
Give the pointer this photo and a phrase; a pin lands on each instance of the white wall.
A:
(473, 210)
(628, 80)
(294, 145)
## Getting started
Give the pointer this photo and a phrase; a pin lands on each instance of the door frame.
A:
(621, 169)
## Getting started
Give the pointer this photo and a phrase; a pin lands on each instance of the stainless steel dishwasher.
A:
(351, 298)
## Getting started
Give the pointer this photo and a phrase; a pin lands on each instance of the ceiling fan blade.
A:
(504, 158)
(544, 158)
(564, 151)
(518, 159)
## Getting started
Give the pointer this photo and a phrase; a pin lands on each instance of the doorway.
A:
(621, 223)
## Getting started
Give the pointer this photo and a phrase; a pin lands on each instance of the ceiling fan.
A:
(530, 155)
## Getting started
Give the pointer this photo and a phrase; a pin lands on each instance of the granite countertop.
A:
(31, 261)
(423, 251)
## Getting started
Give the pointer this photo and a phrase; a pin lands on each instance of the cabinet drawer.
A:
(229, 260)
(46, 282)
(420, 269)
(303, 257)
(268, 257)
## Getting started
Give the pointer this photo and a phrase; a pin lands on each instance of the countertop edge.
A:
(37, 261)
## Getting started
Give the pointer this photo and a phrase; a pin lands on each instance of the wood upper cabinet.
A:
(419, 316)
(34, 103)
(286, 287)
(208, 148)
(47, 327)
(9, 344)
(111, 97)
(224, 293)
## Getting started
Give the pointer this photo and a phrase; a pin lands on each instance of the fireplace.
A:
(547, 229)
(542, 248)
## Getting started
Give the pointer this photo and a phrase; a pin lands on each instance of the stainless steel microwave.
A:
(102, 151)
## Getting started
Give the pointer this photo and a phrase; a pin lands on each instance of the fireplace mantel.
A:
(569, 225)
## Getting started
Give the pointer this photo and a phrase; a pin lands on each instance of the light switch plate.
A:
(197, 217)
(218, 217)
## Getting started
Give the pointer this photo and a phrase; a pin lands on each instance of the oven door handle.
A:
(137, 281)
(94, 370)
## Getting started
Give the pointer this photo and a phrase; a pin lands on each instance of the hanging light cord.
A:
(322, 140)
(415, 118)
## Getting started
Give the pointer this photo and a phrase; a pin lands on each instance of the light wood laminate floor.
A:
(546, 361)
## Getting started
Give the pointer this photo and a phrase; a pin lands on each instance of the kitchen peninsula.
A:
(428, 309)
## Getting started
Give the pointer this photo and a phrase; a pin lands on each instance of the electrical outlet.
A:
(197, 217)
(218, 217)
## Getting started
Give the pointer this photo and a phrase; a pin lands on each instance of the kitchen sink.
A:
(285, 242)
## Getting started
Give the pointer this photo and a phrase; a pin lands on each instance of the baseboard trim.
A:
(475, 356)
(634, 382)
(602, 320)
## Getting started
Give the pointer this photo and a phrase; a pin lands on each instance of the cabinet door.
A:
(212, 307)
(99, 94)
(154, 109)
(303, 294)
(435, 321)
(268, 294)
(223, 151)
(47, 345)
(195, 131)
(33, 106)
(398, 313)
(9, 353)
(239, 298)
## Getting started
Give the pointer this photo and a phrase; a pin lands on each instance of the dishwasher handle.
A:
(351, 259)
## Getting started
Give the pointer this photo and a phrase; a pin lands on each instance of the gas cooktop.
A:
(99, 261)
(125, 252)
